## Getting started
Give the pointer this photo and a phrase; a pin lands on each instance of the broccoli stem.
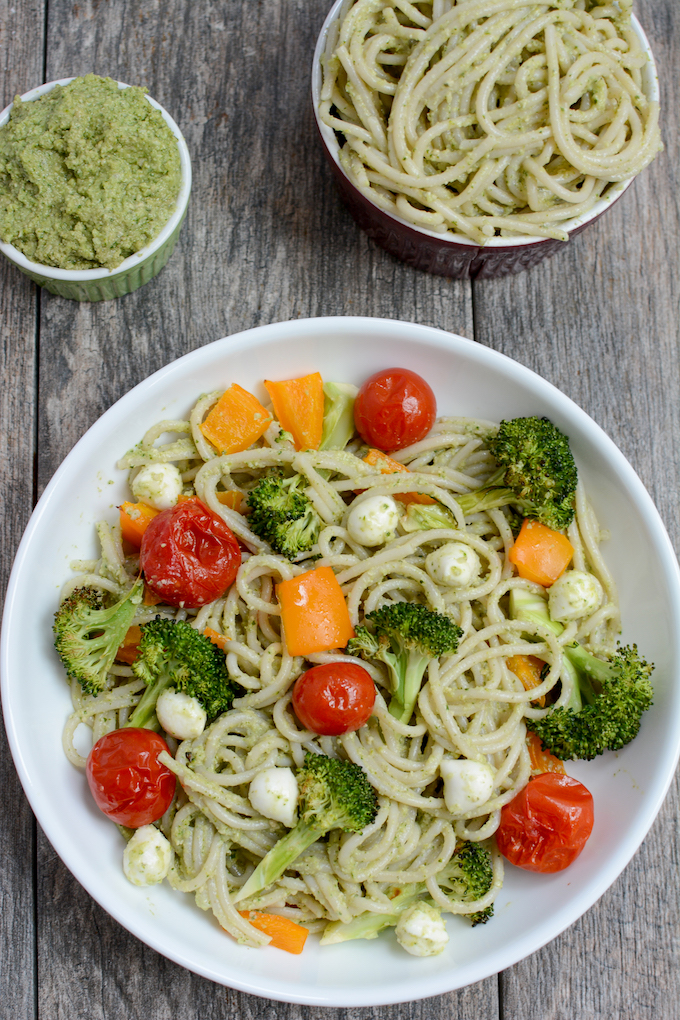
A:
(368, 925)
(144, 715)
(588, 669)
(273, 864)
(407, 683)
(527, 607)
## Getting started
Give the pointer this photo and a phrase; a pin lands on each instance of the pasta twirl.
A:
(488, 117)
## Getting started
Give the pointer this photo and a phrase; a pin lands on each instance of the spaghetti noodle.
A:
(471, 706)
(488, 117)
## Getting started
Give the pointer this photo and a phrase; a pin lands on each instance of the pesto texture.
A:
(89, 174)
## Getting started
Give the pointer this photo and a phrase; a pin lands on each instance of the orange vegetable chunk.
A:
(540, 554)
(233, 499)
(298, 405)
(236, 421)
(387, 466)
(285, 934)
(314, 612)
(129, 650)
(542, 760)
(135, 518)
(527, 668)
(217, 639)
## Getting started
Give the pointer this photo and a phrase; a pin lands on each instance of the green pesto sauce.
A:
(89, 174)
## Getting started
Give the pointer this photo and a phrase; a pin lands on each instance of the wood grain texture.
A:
(266, 239)
(21, 44)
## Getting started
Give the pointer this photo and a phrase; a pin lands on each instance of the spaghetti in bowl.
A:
(470, 380)
(476, 138)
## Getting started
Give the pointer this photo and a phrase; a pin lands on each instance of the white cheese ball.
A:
(574, 595)
(374, 520)
(454, 564)
(180, 715)
(158, 485)
(467, 784)
(274, 793)
(147, 856)
(421, 930)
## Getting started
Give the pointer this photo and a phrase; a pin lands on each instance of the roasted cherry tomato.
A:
(189, 556)
(334, 698)
(127, 781)
(394, 408)
(547, 824)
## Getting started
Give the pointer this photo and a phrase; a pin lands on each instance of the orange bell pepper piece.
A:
(314, 612)
(387, 466)
(298, 405)
(528, 669)
(129, 650)
(134, 520)
(232, 498)
(542, 760)
(540, 554)
(236, 421)
(285, 934)
(217, 639)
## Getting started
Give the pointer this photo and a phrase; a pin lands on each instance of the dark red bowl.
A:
(452, 254)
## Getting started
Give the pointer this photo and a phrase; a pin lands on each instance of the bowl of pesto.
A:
(95, 179)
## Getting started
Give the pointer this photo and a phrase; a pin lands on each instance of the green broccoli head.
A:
(283, 515)
(335, 794)
(175, 654)
(88, 633)
(406, 636)
(468, 876)
(614, 696)
(537, 473)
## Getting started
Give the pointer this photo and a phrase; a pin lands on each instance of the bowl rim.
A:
(330, 143)
(201, 360)
(132, 261)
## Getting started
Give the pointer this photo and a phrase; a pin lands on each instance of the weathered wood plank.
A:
(21, 43)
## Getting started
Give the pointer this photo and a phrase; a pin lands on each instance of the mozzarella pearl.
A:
(180, 715)
(421, 930)
(467, 784)
(147, 856)
(573, 595)
(158, 485)
(274, 793)
(454, 564)
(374, 520)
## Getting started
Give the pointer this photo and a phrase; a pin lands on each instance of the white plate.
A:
(628, 787)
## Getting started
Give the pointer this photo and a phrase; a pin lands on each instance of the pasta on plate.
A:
(488, 117)
(472, 706)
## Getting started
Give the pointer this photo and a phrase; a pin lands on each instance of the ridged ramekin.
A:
(136, 270)
(452, 254)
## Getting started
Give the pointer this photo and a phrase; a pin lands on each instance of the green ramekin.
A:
(138, 269)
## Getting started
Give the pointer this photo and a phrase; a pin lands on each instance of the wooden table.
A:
(266, 239)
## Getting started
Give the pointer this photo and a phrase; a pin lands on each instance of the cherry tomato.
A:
(547, 824)
(127, 781)
(189, 556)
(394, 408)
(334, 698)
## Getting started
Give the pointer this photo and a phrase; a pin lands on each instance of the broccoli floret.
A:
(468, 876)
(283, 515)
(338, 415)
(536, 473)
(615, 693)
(333, 794)
(406, 636)
(174, 654)
(609, 697)
(87, 633)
